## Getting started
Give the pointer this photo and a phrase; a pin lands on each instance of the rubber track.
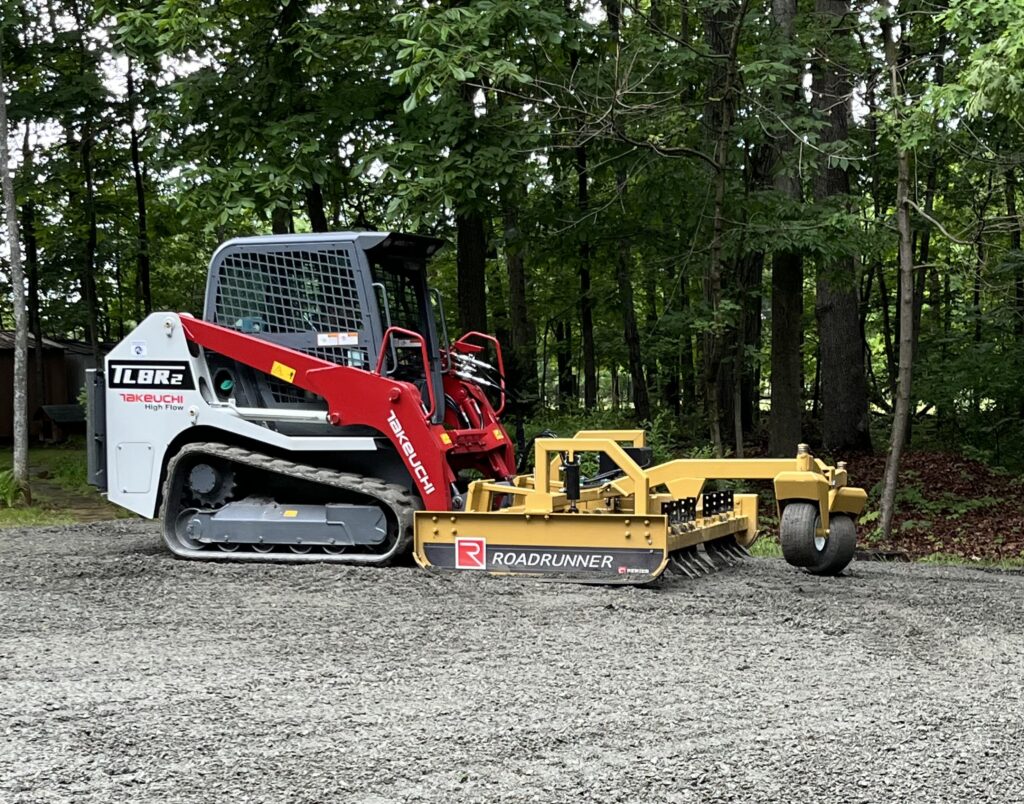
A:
(397, 498)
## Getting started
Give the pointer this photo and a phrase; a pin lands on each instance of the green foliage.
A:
(992, 78)
(407, 116)
(932, 503)
(10, 491)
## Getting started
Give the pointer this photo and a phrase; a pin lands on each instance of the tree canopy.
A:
(683, 213)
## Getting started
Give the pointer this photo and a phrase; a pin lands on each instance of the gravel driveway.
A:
(128, 676)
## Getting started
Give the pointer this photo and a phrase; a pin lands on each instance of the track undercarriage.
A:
(225, 502)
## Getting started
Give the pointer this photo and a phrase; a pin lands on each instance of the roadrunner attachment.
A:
(629, 521)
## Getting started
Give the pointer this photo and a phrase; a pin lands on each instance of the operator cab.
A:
(399, 267)
(331, 295)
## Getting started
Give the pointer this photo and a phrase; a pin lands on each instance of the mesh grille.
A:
(270, 293)
(287, 394)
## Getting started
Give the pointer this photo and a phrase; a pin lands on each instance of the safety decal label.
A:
(337, 339)
(283, 372)
(169, 375)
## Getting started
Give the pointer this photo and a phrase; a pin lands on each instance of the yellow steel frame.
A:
(627, 509)
(801, 478)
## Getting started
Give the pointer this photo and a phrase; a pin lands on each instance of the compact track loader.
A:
(319, 412)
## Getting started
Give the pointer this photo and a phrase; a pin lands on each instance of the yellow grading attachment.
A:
(627, 523)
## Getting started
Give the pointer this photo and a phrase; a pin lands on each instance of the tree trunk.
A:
(687, 368)
(979, 266)
(654, 378)
(751, 268)
(624, 270)
(35, 323)
(1015, 246)
(143, 290)
(563, 358)
(88, 278)
(522, 369)
(785, 421)
(631, 332)
(281, 220)
(20, 422)
(888, 344)
(315, 208)
(586, 299)
(471, 267)
(901, 415)
(581, 165)
(718, 120)
(844, 394)
(737, 398)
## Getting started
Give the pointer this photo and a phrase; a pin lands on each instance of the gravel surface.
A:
(126, 675)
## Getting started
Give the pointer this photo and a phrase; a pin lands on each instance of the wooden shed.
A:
(54, 381)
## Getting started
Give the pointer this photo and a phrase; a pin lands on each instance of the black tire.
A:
(802, 548)
(839, 547)
(796, 533)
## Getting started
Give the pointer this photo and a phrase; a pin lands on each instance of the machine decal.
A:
(470, 553)
(283, 372)
(151, 374)
(528, 559)
(418, 470)
(154, 399)
(524, 559)
(337, 339)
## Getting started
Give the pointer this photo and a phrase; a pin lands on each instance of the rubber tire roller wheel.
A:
(797, 529)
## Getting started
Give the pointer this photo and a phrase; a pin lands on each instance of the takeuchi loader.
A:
(318, 411)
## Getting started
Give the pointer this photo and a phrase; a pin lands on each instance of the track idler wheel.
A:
(803, 547)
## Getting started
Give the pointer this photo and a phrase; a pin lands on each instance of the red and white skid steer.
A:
(319, 412)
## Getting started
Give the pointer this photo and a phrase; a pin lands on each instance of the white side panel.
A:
(153, 396)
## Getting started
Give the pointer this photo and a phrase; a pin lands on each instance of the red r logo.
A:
(471, 554)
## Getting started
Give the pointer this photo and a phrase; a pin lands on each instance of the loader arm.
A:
(353, 396)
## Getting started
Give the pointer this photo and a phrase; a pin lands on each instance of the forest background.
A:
(743, 223)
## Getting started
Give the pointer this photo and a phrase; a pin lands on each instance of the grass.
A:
(766, 547)
(32, 516)
(952, 560)
(63, 466)
(769, 547)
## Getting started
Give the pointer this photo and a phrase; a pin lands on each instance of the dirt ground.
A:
(126, 675)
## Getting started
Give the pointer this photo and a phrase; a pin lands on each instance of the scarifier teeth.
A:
(717, 555)
(705, 563)
(681, 564)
